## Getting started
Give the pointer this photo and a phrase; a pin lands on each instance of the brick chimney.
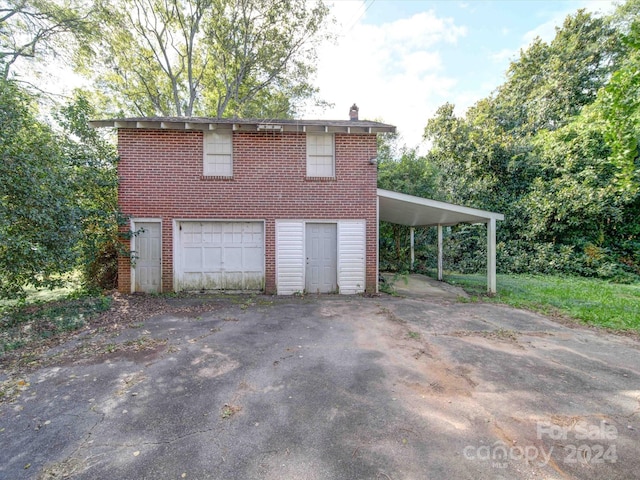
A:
(353, 112)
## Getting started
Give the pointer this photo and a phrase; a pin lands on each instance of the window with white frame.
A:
(218, 154)
(320, 155)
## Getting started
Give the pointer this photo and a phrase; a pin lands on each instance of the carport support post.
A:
(440, 276)
(413, 253)
(491, 255)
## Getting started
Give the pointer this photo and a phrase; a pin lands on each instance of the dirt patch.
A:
(421, 369)
(64, 469)
(500, 335)
(143, 349)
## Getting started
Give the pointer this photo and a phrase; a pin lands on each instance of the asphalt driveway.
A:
(329, 388)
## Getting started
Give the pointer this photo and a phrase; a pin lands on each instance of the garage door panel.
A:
(233, 281)
(253, 256)
(192, 258)
(232, 261)
(253, 281)
(212, 281)
(220, 255)
(212, 258)
(193, 280)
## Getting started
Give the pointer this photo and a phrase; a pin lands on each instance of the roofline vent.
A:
(269, 126)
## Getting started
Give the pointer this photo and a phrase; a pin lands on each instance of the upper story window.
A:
(218, 154)
(320, 155)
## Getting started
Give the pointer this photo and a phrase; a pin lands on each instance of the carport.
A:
(402, 209)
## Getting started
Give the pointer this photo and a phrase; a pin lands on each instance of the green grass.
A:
(592, 301)
(72, 286)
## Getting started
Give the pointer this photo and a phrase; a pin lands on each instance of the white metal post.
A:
(491, 255)
(440, 273)
(413, 253)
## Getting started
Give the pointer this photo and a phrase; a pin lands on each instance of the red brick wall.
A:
(161, 177)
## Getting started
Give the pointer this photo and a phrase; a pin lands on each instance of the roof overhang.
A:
(247, 125)
(414, 211)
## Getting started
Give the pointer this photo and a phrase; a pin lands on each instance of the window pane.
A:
(218, 154)
(320, 158)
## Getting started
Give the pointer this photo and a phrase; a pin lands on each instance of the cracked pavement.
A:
(333, 387)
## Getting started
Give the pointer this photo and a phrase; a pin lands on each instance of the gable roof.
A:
(235, 124)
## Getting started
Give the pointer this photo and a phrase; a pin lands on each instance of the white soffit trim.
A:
(415, 211)
(200, 124)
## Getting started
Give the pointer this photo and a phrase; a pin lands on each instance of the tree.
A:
(91, 161)
(36, 28)
(550, 83)
(204, 57)
(555, 148)
(39, 220)
(478, 163)
(58, 205)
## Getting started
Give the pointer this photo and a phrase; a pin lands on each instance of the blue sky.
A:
(401, 59)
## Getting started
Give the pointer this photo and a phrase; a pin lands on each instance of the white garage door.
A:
(220, 256)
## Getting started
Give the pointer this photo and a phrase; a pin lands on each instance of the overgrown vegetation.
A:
(555, 148)
(58, 193)
(28, 324)
(590, 300)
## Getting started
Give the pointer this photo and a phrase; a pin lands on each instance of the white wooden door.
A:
(147, 246)
(220, 256)
(322, 252)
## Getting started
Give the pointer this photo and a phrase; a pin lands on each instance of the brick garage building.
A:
(281, 206)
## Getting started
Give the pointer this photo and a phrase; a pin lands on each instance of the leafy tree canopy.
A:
(556, 149)
(204, 57)
(39, 222)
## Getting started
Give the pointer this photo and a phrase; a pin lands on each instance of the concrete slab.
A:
(418, 285)
(333, 387)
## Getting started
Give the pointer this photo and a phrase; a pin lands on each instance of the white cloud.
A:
(503, 56)
(393, 71)
(546, 31)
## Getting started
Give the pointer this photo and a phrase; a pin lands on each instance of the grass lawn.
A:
(592, 301)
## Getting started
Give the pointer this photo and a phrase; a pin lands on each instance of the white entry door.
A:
(220, 256)
(322, 258)
(147, 250)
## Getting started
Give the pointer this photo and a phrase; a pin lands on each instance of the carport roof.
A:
(414, 211)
